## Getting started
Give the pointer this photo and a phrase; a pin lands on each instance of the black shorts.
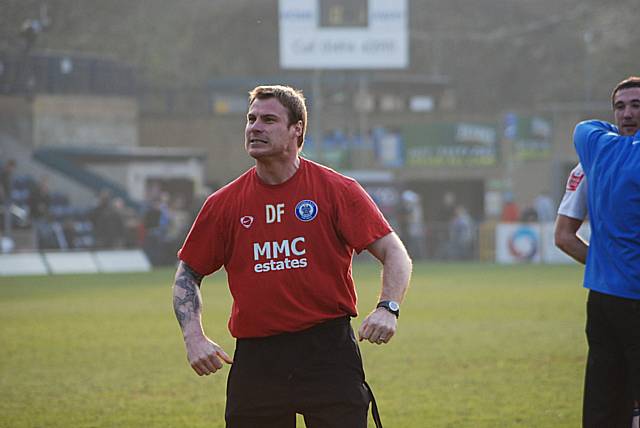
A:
(612, 377)
(316, 372)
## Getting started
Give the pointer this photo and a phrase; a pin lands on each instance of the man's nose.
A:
(256, 126)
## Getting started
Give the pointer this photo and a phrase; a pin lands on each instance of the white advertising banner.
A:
(61, 262)
(359, 34)
(70, 262)
(518, 243)
(530, 243)
(22, 264)
(122, 261)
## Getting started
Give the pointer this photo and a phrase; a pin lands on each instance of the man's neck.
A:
(277, 171)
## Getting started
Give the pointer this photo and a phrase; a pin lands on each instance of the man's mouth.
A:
(257, 141)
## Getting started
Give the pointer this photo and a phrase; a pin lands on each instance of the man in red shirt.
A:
(285, 232)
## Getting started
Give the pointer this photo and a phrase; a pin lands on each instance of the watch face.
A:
(394, 306)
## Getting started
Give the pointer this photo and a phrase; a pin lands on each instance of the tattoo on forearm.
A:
(195, 275)
(187, 301)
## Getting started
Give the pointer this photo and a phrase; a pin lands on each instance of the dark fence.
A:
(29, 73)
(444, 241)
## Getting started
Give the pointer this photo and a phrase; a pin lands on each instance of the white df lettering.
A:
(274, 213)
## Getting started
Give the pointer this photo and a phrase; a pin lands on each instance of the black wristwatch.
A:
(390, 305)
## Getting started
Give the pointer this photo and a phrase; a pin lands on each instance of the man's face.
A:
(267, 133)
(626, 110)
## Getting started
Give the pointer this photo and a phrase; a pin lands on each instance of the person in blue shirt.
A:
(610, 157)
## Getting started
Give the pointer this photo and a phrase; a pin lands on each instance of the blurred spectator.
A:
(69, 234)
(151, 216)
(462, 234)
(108, 225)
(39, 202)
(448, 207)
(39, 199)
(413, 224)
(180, 221)
(156, 221)
(529, 215)
(6, 187)
(440, 233)
(6, 175)
(157, 216)
(130, 223)
(544, 207)
(165, 212)
(510, 210)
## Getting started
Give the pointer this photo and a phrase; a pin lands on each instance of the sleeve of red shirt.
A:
(203, 249)
(359, 219)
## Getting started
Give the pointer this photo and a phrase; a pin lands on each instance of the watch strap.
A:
(391, 306)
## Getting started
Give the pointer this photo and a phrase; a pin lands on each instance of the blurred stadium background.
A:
(118, 117)
(123, 115)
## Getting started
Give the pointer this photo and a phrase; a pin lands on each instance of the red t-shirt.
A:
(287, 248)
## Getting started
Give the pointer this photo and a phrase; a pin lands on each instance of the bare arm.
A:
(567, 239)
(204, 355)
(380, 325)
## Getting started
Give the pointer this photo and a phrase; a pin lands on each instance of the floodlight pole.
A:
(588, 37)
(316, 92)
(363, 99)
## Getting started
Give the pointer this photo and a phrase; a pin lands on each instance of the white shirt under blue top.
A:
(574, 201)
(611, 163)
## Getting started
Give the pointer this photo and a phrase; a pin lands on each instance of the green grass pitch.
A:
(478, 345)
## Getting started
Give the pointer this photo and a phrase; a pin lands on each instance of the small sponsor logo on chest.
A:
(246, 221)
